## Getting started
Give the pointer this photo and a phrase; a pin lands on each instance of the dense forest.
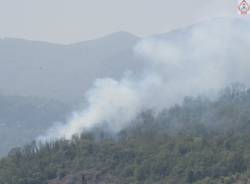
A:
(201, 141)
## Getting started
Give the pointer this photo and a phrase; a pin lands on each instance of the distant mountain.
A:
(41, 81)
(226, 24)
(63, 72)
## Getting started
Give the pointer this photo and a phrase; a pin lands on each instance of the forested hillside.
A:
(201, 141)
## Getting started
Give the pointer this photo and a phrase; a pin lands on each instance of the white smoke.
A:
(186, 62)
(109, 101)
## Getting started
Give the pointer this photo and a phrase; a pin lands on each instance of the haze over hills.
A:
(23, 118)
(42, 81)
(63, 72)
(198, 60)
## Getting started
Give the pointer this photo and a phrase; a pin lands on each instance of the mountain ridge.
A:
(33, 61)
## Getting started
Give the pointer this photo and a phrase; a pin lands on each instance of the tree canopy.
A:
(201, 141)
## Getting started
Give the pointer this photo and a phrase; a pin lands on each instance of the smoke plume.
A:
(187, 62)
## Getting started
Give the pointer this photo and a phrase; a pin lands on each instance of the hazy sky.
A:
(65, 21)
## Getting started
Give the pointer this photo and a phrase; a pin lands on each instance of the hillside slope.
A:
(200, 141)
(22, 119)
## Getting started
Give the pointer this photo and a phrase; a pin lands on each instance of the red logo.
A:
(244, 7)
